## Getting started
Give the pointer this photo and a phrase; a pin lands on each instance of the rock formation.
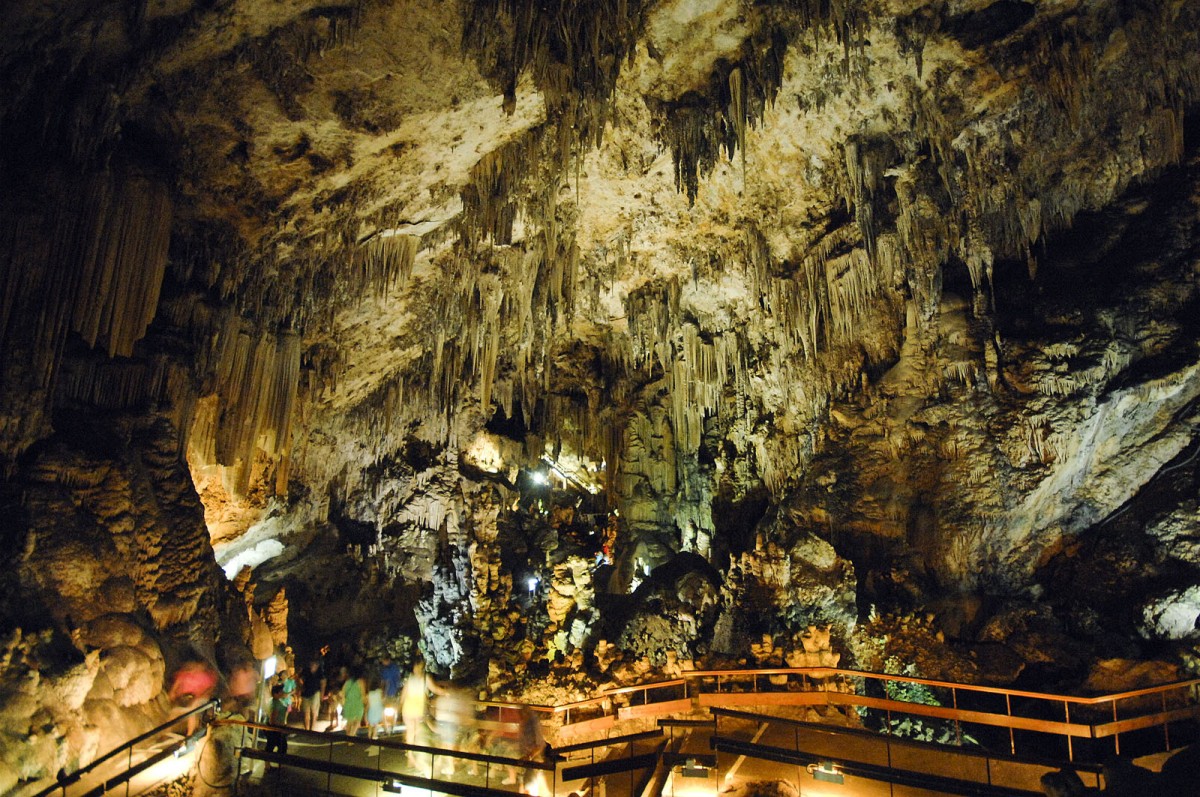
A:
(517, 327)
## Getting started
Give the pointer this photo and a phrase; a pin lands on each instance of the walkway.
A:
(718, 730)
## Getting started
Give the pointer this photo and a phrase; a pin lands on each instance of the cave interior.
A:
(561, 344)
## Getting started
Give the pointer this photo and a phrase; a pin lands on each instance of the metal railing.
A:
(390, 778)
(1069, 717)
(1065, 716)
(873, 756)
(88, 780)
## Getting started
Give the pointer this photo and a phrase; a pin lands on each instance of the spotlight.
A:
(389, 713)
(826, 771)
(539, 477)
(533, 583)
(189, 744)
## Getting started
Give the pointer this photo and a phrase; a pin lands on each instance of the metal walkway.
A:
(713, 739)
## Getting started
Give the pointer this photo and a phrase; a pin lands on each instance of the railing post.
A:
(329, 772)
(128, 767)
(1116, 730)
(1070, 739)
(1012, 740)
(957, 726)
(1166, 721)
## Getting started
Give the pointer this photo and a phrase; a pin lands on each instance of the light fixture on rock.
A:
(826, 771)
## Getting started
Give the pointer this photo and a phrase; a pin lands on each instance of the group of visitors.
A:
(432, 714)
(350, 700)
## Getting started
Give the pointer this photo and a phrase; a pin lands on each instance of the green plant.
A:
(907, 691)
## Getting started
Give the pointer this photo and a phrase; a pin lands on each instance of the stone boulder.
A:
(1173, 615)
(135, 675)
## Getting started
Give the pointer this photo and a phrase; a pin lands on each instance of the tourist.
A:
(389, 673)
(520, 739)
(374, 708)
(354, 692)
(531, 743)
(193, 684)
(312, 686)
(333, 697)
(454, 719)
(413, 705)
(277, 715)
(288, 679)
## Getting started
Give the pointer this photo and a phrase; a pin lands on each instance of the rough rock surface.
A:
(517, 326)
(113, 587)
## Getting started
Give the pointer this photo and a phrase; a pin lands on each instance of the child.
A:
(277, 740)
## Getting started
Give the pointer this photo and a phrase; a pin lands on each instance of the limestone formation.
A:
(558, 338)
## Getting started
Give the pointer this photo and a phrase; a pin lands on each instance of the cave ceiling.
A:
(910, 271)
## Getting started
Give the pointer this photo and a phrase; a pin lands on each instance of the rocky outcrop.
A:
(113, 587)
(706, 320)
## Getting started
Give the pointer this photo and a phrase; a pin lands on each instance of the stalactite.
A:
(90, 263)
(737, 111)
(255, 377)
(573, 51)
(866, 160)
(102, 270)
(381, 264)
(699, 125)
(113, 384)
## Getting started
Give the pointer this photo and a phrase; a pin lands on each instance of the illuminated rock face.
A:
(669, 324)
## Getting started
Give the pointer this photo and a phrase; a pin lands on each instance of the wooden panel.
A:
(610, 741)
(1149, 721)
(763, 699)
(611, 766)
(597, 724)
(654, 709)
(980, 717)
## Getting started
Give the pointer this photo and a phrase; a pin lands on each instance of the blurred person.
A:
(414, 703)
(374, 708)
(312, 687)
(277, 715)
(354, 693)
(191, 686)
(288, 679)
(531, 743)
(393, 681)
(454, 721)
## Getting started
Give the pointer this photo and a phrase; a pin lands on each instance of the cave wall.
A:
(805, 307)
(110, 586)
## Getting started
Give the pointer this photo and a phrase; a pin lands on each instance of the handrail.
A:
(862, 732)
(389, 743)
(609, 741)
(862, 769)
(78, 774)
(1066, 726)
(389, 780)
(830, 672)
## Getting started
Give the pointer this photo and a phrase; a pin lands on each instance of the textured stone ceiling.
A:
(887, 301)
